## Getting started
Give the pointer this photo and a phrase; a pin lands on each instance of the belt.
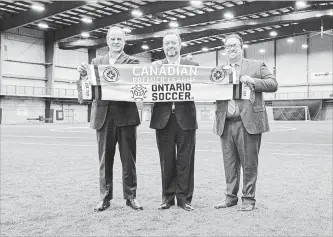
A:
(234, 119)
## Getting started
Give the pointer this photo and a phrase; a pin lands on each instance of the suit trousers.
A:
(240, 149)
(176, 149)
(107, 138)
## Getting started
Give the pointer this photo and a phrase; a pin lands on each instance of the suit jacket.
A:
(254, 116)
(124, 113)
(185, 111)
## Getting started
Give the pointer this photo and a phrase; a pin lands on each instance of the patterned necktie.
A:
(252, 93)
(231, 107)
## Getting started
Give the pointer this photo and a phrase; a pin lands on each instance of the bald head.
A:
(116, 39)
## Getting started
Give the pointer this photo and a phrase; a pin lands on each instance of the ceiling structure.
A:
(202, 24)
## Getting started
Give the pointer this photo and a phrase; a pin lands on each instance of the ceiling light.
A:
(85, 34)
(173, 24)
(205, 49)
(224, 54)
(136, 13)
(318, 15)
(43, 25)
(304, 46)
(273, 33)
(145, 47)
(196, 3)
(228, 15)
(245, 46)
(331, 13)
(127, 30)
(301, 4)
(262, 51)
(184, 44)
(86, 19)
(37, 7)
(252, 23)
(290, 40)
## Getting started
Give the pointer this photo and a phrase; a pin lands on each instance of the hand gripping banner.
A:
(153, 83)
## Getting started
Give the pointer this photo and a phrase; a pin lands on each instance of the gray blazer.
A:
(124, 113)
(254, 116)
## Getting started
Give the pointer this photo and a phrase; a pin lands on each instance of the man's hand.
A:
(82, 69)
(226, 68)
(158, 63)
(247, 80)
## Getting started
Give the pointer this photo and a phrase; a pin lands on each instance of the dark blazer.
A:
(185, 111)
(124, 113)
(254, 116)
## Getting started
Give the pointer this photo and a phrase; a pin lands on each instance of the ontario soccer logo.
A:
(218, 75)
(139, 93)
(111, 74)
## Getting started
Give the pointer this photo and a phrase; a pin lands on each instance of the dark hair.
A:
(234, 36)
(171, 32)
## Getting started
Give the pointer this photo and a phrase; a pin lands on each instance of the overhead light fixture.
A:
(43, 25)
(301, 4)
(331, 13)
(173, 24)
(305, 46)
(37, 7)
(205, 49)
(228, 15)
(85, 34)
(86, 19)
(127, 30)
(290, 40)
(273, 33)
(184, 44)
(252, 23)
(145, 47)
(136, 13)
(224, 54)
(245, 46)
(196, 3)
(318, 15)
(262, 51)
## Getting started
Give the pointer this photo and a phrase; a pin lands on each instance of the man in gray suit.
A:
(175, 124)
(115, 121)
(240, 123)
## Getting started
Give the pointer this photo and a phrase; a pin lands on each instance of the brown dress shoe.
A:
(187, 207)
(133, 203)
(224, 204)
(246, 207)
(102, 205)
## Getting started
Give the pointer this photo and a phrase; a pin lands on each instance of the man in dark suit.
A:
(175, 124)
(115, 121)
(240, 123)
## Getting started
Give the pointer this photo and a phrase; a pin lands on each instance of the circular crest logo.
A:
(139, 92)
(218, 75)
(111, 74)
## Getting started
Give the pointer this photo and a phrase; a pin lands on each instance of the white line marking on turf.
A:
(155, 148)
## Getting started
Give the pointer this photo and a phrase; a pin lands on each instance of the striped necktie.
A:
(231, 107)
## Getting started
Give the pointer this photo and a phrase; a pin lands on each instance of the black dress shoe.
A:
(166, 205)
(102, 205)
(224, 204)
(133, 203)
(186, 207)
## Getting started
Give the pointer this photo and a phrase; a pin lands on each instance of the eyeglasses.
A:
(229, 46)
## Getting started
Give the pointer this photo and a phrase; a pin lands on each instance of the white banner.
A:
(152, 83)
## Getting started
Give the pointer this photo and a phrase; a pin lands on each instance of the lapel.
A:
(164, 61)
(244, 66)
(183, 61)
(120, 60)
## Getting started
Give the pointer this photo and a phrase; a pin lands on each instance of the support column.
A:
(1, 87)
(92, 53)
(49, 68)
(307, 67)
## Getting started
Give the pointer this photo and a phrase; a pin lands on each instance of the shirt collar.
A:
(113, 60)
(177, 62)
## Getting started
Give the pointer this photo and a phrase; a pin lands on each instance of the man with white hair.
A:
(115, 122)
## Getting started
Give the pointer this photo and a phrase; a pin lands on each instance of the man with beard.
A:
(240, 123)
(175, 124)
(115, 121)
